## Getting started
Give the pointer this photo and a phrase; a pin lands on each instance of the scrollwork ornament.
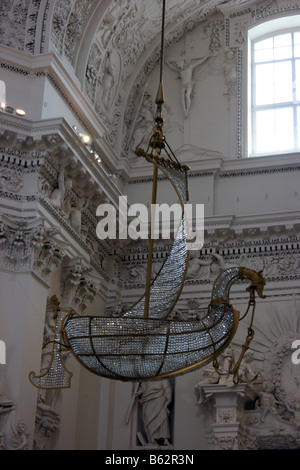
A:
(10, 180)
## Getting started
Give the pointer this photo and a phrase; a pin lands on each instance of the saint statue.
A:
(155, 397)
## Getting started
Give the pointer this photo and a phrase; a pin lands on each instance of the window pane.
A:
(274, 83)
(264, 55)
(263, 51)
(283, 46)
(276, 48)
(297, 38)
(264, 44)
(274, 130)
(298, 127)
(297, 68)
(297, 50)
(282, 40)
(283, 82)
(283, 53)
(297, 44)
(263, 90)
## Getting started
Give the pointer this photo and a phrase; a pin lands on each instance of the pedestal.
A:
(228, 405)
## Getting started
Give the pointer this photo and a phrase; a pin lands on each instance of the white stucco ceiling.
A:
(111, 45)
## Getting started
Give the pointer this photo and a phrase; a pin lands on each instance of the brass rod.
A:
(162, 41)
(157, 145)
(150, 247)
(160, 92)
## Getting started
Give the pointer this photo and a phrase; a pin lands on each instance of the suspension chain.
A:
(234, 368)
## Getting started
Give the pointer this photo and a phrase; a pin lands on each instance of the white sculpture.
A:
(155, 398)
(246, 372)
(268, 402)
(108, 81)
(76, 214)
(143, 124)
(12, 436)
(209, 376)
(58, 194)
(185, 71)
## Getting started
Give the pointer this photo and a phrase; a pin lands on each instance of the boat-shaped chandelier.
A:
(145, 342)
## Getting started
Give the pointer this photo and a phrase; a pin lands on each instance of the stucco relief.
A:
(79, 284)
(13, 14)
(11, 180)
(77, 22)
(270, 419)
(19, 239)
(62, 11)
(13, 432)
(117, 37)
(282, 377)
(66, 190)
(199, 55)
(276, 266)
(108, 82)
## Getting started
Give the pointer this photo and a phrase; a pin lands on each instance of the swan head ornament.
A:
(257, 281)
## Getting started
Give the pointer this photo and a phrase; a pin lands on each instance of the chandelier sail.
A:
(145, 342)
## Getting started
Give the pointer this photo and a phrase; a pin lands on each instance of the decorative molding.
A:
(13, 433)
(47, 422)
(79, 285)
(19, 239)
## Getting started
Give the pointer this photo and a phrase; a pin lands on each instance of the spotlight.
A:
(85, 138)
(10, 110)
(20, 112)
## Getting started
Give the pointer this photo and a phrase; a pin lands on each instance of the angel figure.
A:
(267, 401)
(63, 185)
(76, 213)
(143, 123)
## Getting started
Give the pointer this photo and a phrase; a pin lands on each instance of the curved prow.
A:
(223, 283)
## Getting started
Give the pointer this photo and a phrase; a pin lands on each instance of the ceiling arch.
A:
(111, 45)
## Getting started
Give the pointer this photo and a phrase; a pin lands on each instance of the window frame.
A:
(259, 33)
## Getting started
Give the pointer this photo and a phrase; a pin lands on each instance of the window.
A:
(275, 93)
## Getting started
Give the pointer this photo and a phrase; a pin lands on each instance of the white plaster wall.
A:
(249, 194)
(258, 194)
(94, 409)
(22, 316)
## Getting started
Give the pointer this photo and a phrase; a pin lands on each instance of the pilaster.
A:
(228, 403)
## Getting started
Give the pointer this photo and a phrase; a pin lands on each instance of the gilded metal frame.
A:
(56, 359)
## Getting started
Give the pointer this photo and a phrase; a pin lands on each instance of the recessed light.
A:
(85, 138)
(20, 112)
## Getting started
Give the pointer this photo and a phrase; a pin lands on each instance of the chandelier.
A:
(145, 342)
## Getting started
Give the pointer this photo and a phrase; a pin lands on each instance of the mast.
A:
(157, 142)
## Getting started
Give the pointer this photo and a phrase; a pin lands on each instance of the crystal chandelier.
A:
(145, 342)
